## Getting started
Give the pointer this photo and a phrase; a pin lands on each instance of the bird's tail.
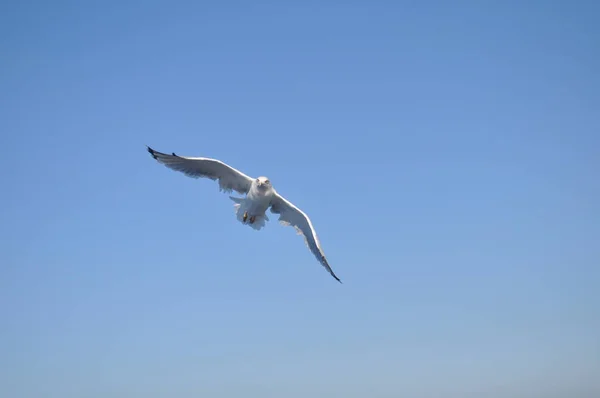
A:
(240, 209)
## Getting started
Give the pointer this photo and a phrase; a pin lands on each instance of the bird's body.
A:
(252, 210)
(260, 195)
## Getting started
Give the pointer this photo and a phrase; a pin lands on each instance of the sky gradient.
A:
(448, 154)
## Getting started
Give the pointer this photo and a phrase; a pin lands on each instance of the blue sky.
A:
(447, 153)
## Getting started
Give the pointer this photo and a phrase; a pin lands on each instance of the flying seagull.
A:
(260, 195)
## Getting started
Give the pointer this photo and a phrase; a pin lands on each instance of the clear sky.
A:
(448, 154)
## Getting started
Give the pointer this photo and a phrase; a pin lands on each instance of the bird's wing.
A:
(291, 215)
(228, 177)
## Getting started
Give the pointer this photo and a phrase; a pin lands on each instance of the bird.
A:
(259, 192)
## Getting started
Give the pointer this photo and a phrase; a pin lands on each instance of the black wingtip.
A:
(151, 151)
(328, 268)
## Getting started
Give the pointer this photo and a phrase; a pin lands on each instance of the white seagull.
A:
(260, 195)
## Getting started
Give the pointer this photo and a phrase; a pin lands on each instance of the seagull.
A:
(259, 196)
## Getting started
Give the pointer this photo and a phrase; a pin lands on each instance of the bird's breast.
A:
(258, 200)
(258, 194)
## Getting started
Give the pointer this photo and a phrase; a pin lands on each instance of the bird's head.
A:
(263, 182)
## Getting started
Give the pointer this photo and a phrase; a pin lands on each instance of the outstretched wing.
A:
(291, 215)
(228, 177)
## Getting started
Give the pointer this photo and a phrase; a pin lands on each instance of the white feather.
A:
(260, 195)
(292, 215)
(228, 178)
